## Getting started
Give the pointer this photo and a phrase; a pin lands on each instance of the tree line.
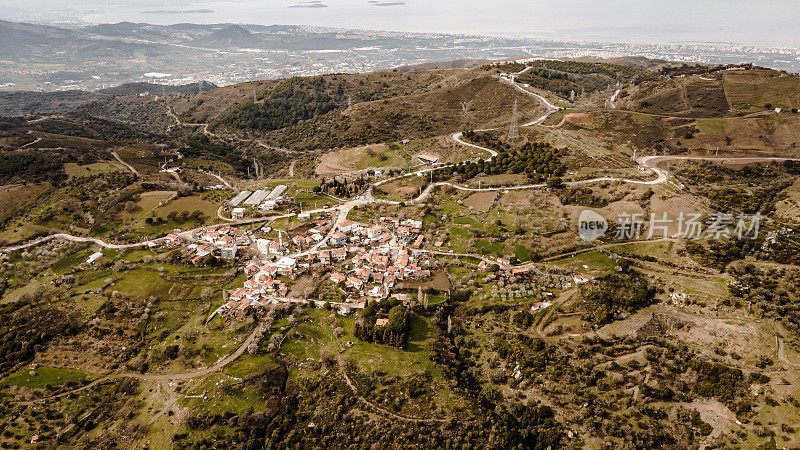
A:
(537, 160)
(393, 334)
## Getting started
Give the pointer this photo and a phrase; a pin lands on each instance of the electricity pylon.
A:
(513, 129)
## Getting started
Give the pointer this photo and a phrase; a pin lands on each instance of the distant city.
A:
(47, 58)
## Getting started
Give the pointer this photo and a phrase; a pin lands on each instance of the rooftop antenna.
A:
(513, 129)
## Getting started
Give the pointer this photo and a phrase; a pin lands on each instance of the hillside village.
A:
(366, 259)
(402, 259)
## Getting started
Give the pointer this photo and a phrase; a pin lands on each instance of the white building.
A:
(257, 197)
(235, 201)
(286, 263)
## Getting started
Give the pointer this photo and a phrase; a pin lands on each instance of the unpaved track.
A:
(163, 377)
(612, 101)
(384, 412)
(36, 141)
(130, 167)
(71, 238)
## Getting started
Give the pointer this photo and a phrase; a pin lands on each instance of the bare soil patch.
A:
(331, 163)
(440, 282)
(715, 414)
(580, 118)
(480, 201)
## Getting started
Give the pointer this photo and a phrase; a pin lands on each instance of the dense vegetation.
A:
(749, 189)
(31, 167)
(792, 167)
(202, 147)
(583, 196)
(771, 292)
(588, 68)
(394, 333)
(716, 380)
(290, 102)
(342, 187)
(530, 353)
(718, 253)
(28, 328)
(568, 78)
(538, 161)
(616, 293)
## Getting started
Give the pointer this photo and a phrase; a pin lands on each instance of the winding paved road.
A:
(661, 176)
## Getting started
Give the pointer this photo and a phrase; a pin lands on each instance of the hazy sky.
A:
(761, 22)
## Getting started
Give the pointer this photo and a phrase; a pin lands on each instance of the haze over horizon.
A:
(767, 23)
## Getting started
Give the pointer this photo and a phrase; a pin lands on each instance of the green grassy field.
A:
(594, 260)
(74, 170)
(190, 204)
(467, 221)
(249, 364)
(378, 155)
(69, 262)
(716, 127)
(219, 402)
(754, 89)
(43, 376)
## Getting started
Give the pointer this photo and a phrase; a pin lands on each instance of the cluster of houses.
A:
(312, 236)
(373, 272)
(170, 240)
(263, 282)
(382, 253)
(384, 231)
(220, 241)
(210, 240)
(387, 251)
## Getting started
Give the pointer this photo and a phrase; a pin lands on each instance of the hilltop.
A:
(19, 103)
